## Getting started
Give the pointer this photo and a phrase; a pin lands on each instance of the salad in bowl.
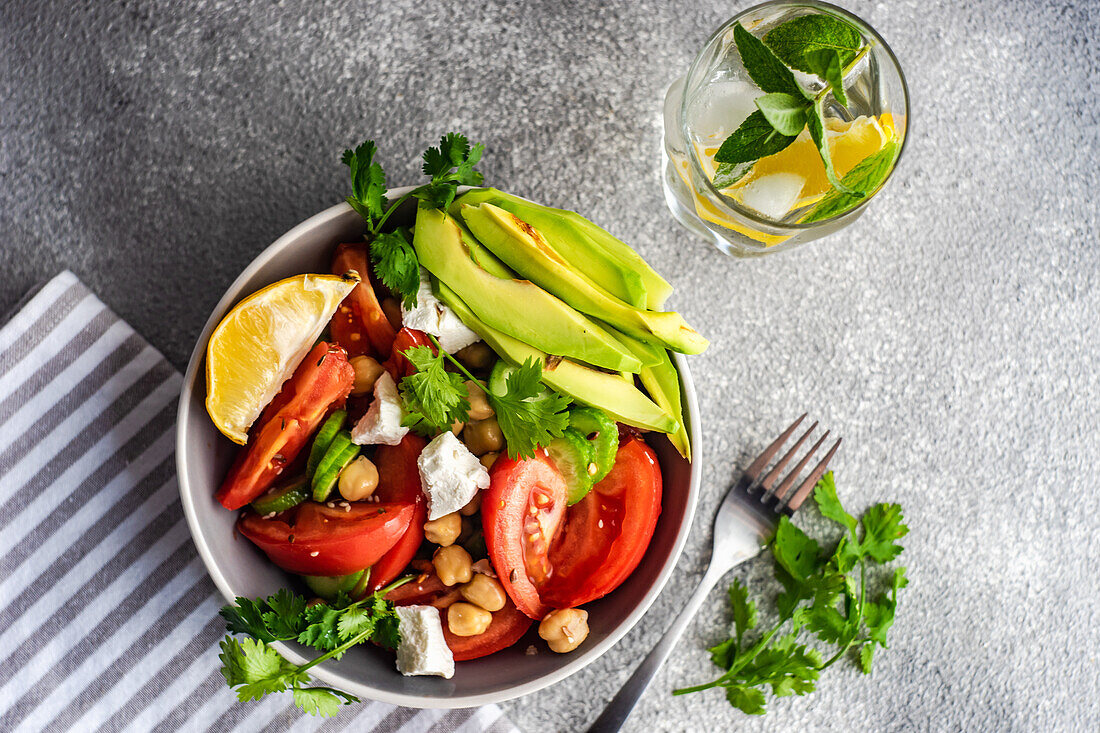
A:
(450, 438)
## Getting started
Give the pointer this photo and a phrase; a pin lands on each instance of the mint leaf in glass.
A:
(867, 176)
(826, 63)
(784, 112)
(763, 66)
(816, 122)
(754, 139)
(796, 39)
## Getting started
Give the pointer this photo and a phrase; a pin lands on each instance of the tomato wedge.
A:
(323, 379)
(399, 482)
(397, 365)
(314, 539)
(520, 512)
(506, 628)
(606, 534)
(359, 324)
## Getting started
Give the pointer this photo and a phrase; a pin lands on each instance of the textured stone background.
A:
(951, 336)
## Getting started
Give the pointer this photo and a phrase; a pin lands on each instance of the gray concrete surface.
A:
(951, 336)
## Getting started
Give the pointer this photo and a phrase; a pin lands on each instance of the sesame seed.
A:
(315, 553)
(600, 524)
(330, 504)
(269, 515)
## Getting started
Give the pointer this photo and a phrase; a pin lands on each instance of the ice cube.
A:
(773, 195)
(719, 108)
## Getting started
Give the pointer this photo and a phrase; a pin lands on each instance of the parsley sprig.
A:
(255, 669)
(448, 166)
(826, 593)
(818, 44)
(529, 415)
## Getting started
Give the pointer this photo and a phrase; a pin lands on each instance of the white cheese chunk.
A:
(423, 650)
(382, 423)
(431, 316)
(450, 475)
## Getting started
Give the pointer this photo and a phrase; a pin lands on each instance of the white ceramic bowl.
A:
(239, 569)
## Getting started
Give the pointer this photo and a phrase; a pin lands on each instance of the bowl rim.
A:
(322, 672)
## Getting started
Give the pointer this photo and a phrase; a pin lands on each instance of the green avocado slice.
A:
(518, 308)
(611, 393)
(523, 248)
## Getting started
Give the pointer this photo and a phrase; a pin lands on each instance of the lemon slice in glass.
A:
(260, 343)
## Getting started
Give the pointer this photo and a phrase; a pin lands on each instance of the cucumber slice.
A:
(340, 453)
(574, 455)
(281, 498)
(603, 434)
(498, 379)
(327, 587)
(323, 440)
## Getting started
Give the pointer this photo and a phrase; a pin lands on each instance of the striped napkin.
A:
(107, 618)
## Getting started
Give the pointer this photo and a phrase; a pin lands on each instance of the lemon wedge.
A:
(260, 343)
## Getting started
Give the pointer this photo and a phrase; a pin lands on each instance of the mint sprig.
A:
(817, 44)
(867, 176)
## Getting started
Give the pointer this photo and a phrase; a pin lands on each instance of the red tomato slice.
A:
(399, 481)
(590, 562)
(507, 627)
(359, 324)
(397, 365)
(314, 539)
(520, 513)
(322, 379)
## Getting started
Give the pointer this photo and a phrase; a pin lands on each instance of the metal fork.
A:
(745, 521)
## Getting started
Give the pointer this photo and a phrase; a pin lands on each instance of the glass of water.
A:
(784, 199)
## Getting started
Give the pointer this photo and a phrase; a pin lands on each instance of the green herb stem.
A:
(847, 69)
(393, 207)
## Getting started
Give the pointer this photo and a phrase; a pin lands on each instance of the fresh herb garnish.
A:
(255, 669)
(434, 398)
(867, 176)
(817, 44)
(529, 416)
(824, 595)
(449, 166)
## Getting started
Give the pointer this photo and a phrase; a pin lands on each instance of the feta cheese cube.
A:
(431, 316)
(423, 650)
(450, 475)
(382, 423)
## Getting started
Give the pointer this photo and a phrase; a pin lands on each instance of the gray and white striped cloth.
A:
(107, 618)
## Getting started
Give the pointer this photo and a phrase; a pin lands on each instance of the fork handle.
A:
(620, 707)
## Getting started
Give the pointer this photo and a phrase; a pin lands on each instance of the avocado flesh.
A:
(597, 264)
(663, 384)
(587, 246)
(611, 393)
(524, 249)
(518, 308)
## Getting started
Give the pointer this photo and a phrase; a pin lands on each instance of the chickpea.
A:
(466, 619)
(489, 459)
(358, 480)
(475, 504)
(392, 309)
(445, 530)
(483, 436)
(452, 565)
(564, 629)
(476, 356)
(367, 372)
(479, 402)
(457, 427)
(485, 592)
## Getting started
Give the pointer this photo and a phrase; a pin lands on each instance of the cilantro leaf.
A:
(744, 610)
(353, 622)
(368, 182)
(748, 700)
(321, 631)
(828, 503)
(449, 166)
(255, 669)
(529, 417)
(882, 526)
(317, 701)
(723, 653)
(798, 38)
(866, 652)
(284, 620)
(795, 551)
(246, 617)
(396, 264)
(763, 66)
(434, 398)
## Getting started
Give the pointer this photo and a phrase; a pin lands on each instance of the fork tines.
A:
(777, 498)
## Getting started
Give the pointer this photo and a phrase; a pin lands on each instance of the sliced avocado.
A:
(611, 393)
(518, 308)
(523, 248)
(663, 384)
(603, 269)
(587, 246)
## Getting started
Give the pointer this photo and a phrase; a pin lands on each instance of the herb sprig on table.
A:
(448, 166)
(529, 415)
(255, 669)
(818, 44)
(843, 596)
